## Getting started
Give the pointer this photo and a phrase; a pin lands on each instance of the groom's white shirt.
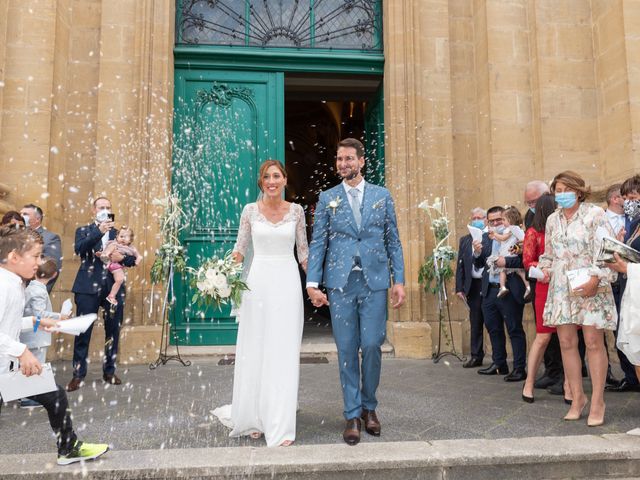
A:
(347, 189)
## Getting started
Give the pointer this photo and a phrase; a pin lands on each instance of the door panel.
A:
(226, 123)
(374, 138)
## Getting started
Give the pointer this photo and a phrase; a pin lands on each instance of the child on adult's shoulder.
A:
(123, 244)
(37, 302)
(20, 254)
(509, 238)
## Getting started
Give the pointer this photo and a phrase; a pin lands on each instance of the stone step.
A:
(317, 348)
(572, 457)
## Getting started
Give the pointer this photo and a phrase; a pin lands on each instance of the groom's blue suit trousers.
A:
(358, 319)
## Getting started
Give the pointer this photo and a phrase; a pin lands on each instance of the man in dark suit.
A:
(468, 288)
(553, 372)
(52, 245)
(506, 310)
(91, 287)
(622, 226)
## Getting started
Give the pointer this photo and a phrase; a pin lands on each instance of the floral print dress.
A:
(571, 245)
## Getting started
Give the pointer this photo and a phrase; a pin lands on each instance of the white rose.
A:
(219, 281)
(225, 291)
(208, 284)
(210, 273)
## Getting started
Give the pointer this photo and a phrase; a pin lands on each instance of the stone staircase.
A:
(593, 457)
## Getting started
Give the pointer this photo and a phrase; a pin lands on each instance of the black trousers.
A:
(501, 312)
(476, 319)
(85, 304)
(57, 407)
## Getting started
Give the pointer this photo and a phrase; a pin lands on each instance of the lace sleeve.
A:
(244, 232)
(302, 247)
(530, 249)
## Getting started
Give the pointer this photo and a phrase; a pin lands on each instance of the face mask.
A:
(632, 209)
(499, 229)
(102, 215)
(566, 199)
(26, 220)
(478, 224)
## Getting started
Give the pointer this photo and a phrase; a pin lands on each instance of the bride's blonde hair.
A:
(266, 165)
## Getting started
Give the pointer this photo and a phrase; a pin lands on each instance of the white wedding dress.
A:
(271, 314)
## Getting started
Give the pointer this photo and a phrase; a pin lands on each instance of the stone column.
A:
(419, 161)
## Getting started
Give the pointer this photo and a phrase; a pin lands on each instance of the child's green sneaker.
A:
(83, 451)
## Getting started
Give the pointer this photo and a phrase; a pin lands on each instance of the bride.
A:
(267, 364)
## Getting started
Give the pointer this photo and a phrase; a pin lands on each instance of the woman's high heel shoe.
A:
(568, 401)
(527, 399)
(572, 417)
(595, 422)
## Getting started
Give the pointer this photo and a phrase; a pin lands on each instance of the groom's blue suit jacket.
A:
(336, 240)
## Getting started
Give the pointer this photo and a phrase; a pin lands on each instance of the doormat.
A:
(231, 360)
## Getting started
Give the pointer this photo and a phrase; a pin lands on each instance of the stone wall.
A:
(480, 97)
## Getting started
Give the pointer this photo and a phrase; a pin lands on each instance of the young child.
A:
(122, 244)
(20, 253)
(509, 238)
(38, 303)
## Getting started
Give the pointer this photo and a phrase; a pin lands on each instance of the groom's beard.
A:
(351, 175)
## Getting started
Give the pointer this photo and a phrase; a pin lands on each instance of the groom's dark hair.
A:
(353, 143)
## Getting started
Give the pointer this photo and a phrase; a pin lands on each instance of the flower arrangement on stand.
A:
(218, 281)
(170, 259)
(437, 269)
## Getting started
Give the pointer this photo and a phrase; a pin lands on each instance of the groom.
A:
(354, 253)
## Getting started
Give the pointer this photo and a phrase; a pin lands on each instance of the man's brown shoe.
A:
(351, 433)
(371, 422)
(112, 379)
(74, 384)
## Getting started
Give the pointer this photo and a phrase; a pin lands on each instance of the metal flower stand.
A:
(444, 322)
(167, 329)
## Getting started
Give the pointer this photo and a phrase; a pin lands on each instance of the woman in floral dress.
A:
(572, 241)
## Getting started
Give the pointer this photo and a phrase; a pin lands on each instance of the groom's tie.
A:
(355, 206)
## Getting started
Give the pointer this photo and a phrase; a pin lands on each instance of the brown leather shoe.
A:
(351, 433)
(371, 422)
(74, 384)
(112, 379)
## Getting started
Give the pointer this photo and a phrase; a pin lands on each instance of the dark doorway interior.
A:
(319, 111)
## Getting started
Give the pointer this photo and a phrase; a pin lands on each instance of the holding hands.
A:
(318, 299)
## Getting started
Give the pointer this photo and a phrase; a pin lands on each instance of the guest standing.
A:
(469, 287)
(571, 243)
(52, 243)
(532, 250)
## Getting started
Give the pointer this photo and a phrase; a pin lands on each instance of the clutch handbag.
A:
(611, 245)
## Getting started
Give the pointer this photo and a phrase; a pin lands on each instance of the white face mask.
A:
(103, 215)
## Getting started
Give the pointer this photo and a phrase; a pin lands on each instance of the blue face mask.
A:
(566, 199)
(478, 224)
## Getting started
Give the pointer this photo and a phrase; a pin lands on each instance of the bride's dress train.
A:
(267, 363)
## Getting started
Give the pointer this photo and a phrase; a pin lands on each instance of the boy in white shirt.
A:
(20, 256)
(38, 303)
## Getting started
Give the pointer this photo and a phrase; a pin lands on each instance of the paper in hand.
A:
(77, 325)
(536, 273)
(476, 233)
(14, 385)
(578, 277)
(67, 307)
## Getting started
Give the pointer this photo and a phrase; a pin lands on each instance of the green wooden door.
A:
(374, 138)
(226, 123)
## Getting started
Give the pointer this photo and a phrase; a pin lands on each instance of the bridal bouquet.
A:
(217, 281)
